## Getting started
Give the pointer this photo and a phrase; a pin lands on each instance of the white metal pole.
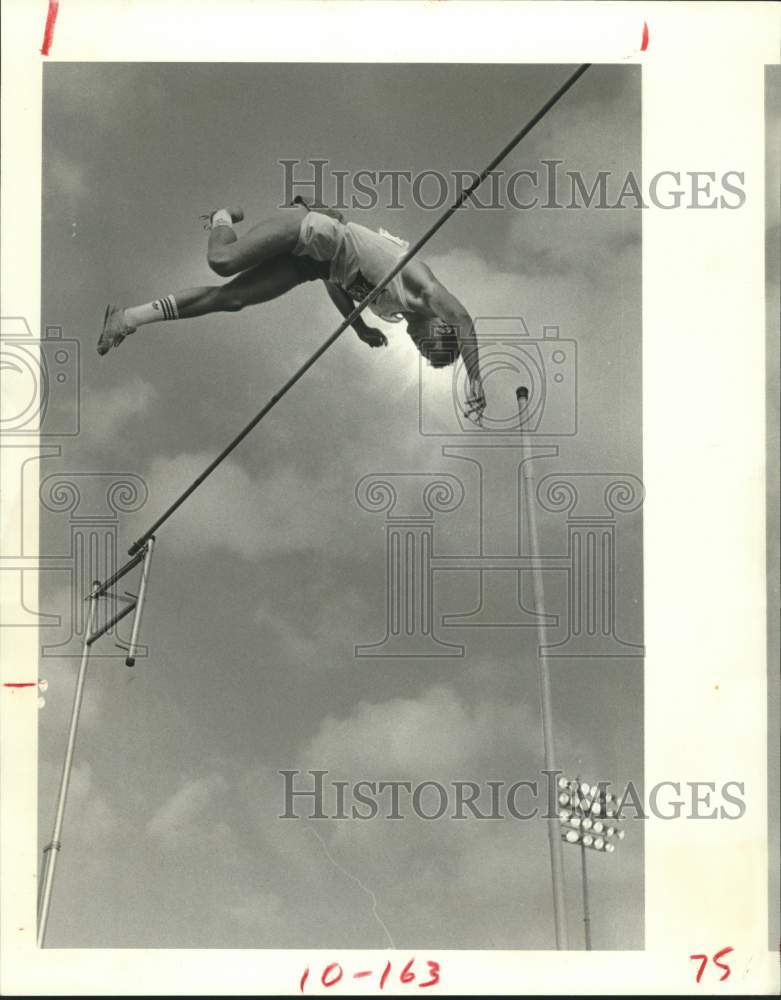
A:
(131, 652)
(554, 827)
(53, 848)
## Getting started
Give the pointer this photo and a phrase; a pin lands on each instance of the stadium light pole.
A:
(589, 816)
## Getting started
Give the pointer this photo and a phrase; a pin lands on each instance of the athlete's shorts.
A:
(319, 238)
(314, 206)
(358, 259)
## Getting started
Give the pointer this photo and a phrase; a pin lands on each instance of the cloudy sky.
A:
(263, 584)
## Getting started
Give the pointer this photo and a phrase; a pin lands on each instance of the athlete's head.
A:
(436, 341)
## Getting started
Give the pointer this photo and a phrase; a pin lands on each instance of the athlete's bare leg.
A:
(261, 283)
(228, 254)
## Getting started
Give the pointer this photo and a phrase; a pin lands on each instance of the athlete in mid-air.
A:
(298, 244)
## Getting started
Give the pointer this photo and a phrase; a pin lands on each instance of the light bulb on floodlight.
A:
(588, 840)
(574, 821)
(620, 834)
(585, 787)
(611, 813)
(599, 843)
(563, 783)
(610, 848)
(564, 799)
(596, 809)
(598, 827)
(610, 831)
(587, 824)
(571, 837)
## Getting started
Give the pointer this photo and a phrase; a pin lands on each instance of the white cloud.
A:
(235, 511)
(65, 178)
(435, 735)
(192, 802)
(311, 631)
(107, 411)
(257, 910)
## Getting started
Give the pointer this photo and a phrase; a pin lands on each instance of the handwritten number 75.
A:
(703, 960)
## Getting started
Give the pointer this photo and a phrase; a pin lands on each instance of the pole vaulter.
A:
(429, 300)
(359, 308)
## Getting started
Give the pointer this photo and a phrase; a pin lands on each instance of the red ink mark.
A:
(334, 973)
(407, 975)
(703, 959)
(703, 963)
(722, 965)
(433, 968)
(333, 967)
(24, 684)
(48, 31)
(644, 43)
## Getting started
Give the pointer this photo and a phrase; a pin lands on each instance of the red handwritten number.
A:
(433, 968)
(703, 960)
(327, 972)
(722, 965)
(407, 975)
(333, 973)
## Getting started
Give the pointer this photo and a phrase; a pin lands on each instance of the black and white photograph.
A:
(390, 561)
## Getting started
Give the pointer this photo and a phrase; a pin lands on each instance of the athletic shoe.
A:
(236, 213)
(115, 329)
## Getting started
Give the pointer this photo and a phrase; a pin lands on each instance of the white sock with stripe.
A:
(221, 217)
(152, 312)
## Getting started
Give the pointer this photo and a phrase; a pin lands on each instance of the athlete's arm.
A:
(368, 334)
(438, 300)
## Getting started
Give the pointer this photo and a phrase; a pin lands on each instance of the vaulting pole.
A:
(549, 747)
(53, 849)
(349, 320)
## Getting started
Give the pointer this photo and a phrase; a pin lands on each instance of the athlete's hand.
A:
(474, 404)
(372, 336)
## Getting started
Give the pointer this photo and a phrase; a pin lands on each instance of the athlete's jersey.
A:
(359, 259)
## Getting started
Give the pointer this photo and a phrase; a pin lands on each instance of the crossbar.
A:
(366, 301)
